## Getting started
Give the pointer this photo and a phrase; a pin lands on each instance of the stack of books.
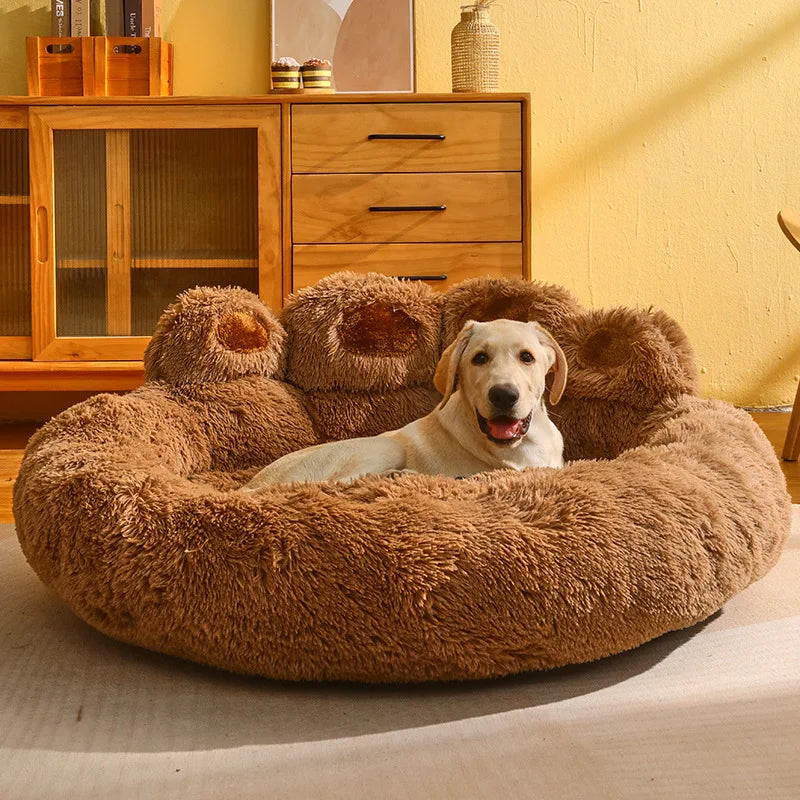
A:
(106, 18)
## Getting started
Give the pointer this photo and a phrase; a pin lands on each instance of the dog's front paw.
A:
(398, 473)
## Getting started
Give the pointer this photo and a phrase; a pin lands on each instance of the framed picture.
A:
(370, 43)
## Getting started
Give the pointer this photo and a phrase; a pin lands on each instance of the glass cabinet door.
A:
(133, 205)
(15, 282)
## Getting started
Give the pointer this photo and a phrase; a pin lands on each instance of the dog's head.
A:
(499, 367)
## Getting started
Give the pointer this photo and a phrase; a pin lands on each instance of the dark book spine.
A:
(133, 17)
(60, 16)
(115, 18)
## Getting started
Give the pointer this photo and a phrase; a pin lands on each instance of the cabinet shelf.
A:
(81, 263)
(65, 376)
(14, 200)
(195, 263)
(163, 263)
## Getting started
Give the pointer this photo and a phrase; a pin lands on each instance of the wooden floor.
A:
(775, 425)
(14, 436)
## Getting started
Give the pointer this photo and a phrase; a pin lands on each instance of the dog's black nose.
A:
(503, 396)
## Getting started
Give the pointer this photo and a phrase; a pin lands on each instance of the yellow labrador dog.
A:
(492, 416)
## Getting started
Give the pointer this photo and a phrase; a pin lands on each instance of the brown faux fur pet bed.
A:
(124, 505)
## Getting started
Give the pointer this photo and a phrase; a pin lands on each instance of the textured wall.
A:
(664, 144)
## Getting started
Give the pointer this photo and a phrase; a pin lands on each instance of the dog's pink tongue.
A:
(504, 428)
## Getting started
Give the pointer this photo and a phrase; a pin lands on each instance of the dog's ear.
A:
(559, 363)
(446, 377)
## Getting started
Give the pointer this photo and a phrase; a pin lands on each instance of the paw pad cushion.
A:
(210, 335)
(623, 355)
(485, 299)
(362, 333)
(623, 364)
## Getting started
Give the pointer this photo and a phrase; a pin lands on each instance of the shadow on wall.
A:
(617, 140)
(14, 27)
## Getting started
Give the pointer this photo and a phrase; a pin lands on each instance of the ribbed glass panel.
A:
(15, 271)
(15, 268)
(185, 200)
(154, 289)
(81, 301)
(14, 162)
(194, 202)
(80, 222)
(194, 193)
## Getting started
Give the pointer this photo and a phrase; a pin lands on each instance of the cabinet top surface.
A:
(280, 99)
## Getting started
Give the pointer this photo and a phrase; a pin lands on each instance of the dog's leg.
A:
(335, 461)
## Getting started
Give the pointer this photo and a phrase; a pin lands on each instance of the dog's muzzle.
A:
(502, 429)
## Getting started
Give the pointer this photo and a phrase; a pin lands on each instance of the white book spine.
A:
(80, 18)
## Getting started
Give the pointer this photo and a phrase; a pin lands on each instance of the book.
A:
(133, 17)
(79, 18)
(60, 16)
(151, 18)
(97, 17)
(115, 17)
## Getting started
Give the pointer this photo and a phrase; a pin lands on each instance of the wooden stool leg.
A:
(791, 447)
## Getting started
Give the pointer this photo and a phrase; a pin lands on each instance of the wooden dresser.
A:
(110, 207)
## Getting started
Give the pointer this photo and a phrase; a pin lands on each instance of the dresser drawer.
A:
(351, 137)
(418, 207)
(443, 264)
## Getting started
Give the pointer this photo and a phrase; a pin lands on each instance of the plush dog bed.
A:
(125, 505)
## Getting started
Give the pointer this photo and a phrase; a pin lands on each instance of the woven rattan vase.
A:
(475, 44)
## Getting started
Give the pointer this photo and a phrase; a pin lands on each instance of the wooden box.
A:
(132, 66)
(98, 66)
(59, 66)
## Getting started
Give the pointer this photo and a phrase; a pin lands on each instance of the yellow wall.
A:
(666, 138)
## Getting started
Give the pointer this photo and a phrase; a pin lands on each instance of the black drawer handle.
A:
(435, 137)
(420, 277)
(408, 208)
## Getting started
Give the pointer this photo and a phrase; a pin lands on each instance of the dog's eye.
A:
(480, 358)
(527, 357)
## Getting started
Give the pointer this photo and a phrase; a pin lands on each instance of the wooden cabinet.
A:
(111, 207)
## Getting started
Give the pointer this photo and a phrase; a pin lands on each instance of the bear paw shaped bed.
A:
(126, 506)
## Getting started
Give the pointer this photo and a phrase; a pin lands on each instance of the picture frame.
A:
(370, 43)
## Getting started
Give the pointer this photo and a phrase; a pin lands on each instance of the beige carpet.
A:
(713, 712)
